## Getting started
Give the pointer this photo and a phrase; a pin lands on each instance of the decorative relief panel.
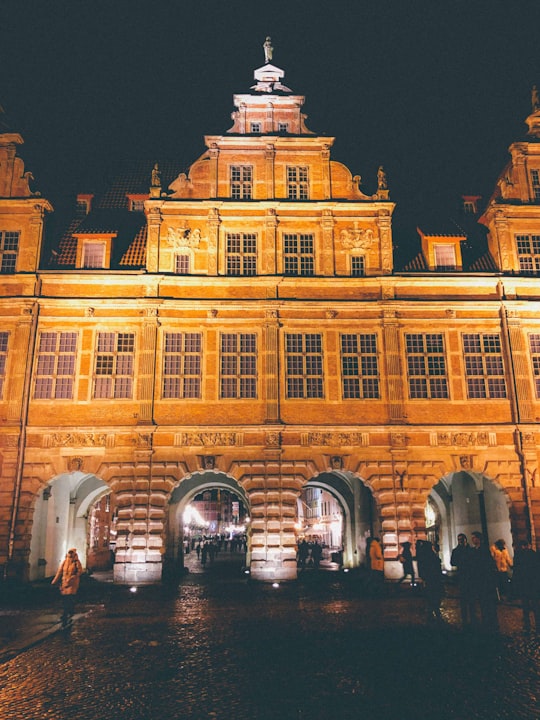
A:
(357, 238)
(75, 439)
(183, 237)
(335, 438)
(208, 439)
(463, 439)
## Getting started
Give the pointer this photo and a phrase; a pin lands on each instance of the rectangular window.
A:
(241, 179)
(114, 365)
(182, 365)
(256, 127)
(283, 127)
(9, 248)
(238, 365)
(4, 337)
(358, 266)
(56, 364)
(304, 363)
(298, 254)
(445, 257)
(359, 366)
(426, 366)
(297, 183)
(484, 369)
(535, 182)
(528, 250)
(93, 255)
(534, 343)
(181, 264)
(241, 254)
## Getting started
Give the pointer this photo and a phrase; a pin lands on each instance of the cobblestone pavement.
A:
(215, 645)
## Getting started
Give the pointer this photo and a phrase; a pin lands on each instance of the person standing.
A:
(526, 584)
(483, 583)
(503, 561)
(406, 559)
(461, 559)
(376, 566)
(69, 576)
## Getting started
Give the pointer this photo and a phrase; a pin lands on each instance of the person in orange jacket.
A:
(69, 576)
(503, 561)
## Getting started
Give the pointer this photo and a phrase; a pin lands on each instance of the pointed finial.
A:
(268, 50)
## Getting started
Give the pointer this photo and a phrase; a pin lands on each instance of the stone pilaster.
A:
(214, 222)
(517, 362)
(213, 152)
(384, 223)
(269, 157)
(147, 367)
(270, 366)
(152, 243)
(392, 358)
(269, 258)
(21, 355)
(328, 252)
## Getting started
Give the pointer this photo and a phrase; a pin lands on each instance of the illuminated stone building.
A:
(246, 326)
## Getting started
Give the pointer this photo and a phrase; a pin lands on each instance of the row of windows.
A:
(241, 182)
(114, 365)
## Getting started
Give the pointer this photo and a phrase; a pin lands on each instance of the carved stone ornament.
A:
(336, 462)
(463, 439)
(183, 237)
(465, 462)
(206, 439)
(357, 238)
(273, 439)
(74, 439)
(75, 464)
(209, 462)
(337, 439)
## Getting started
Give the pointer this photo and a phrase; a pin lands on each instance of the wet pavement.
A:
(217, 645)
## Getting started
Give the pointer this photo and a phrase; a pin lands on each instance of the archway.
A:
(230, 514)
(354, 502)
(61, 520)
(463, 502)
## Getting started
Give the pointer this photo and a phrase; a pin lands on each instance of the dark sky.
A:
(435, 91)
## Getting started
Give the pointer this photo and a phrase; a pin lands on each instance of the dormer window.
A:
(136, 202)
(445, 256)
(93, 255)
(283, 127)
(470, 204)
(93, 252)
(256, 127)
(84, 204)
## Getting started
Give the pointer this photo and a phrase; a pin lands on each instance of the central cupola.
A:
(271, 108)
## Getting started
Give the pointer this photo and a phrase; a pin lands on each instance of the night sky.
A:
(434, 91)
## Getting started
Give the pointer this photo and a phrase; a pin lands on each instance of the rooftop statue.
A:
(268, 50)
(156, 181)
(382, 182)
(535, 99)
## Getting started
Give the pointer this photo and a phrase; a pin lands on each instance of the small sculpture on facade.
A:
(535, 99)
(382, 183)
(268, 50)
(156, 176)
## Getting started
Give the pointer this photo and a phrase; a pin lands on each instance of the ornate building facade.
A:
(246, 326)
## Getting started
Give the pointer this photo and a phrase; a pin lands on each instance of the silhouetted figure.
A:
(376, 566)
(526, 584)
(483, 582)
(461, 559)
(406, 559)
(429, 569)
(303, 552)
(316, 554)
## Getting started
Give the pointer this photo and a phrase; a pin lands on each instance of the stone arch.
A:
(60, 520)
(360, 518)
(181, 496)
(467, 501)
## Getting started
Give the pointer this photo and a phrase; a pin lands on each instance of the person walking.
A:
(69, 576)
(406, 559)
(461, 560)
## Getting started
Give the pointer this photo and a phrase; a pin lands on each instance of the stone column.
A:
(139, 537)
(326, 181)
(269, 255)
(214, 157)
(273, 490)
(504, 251)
